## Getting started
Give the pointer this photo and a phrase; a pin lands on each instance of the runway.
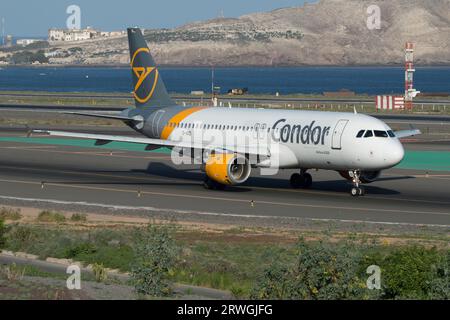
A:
(78, 175)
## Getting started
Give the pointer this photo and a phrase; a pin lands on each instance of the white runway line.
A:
(203, 213)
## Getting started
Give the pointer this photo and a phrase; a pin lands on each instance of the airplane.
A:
(229, 142)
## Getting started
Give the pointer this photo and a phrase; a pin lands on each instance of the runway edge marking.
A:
(217, 214)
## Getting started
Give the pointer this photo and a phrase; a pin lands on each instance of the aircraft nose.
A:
(395, 154)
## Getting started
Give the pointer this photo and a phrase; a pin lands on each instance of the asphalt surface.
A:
(76, 176)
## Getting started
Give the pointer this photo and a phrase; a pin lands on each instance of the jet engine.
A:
(366, 176)
(227, 168)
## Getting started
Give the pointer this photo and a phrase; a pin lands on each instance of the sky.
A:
(34, 18)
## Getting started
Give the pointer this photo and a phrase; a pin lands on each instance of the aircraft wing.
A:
(407, 133)
(103, 116)
(101, 139)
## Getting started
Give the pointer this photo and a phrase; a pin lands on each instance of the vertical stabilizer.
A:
(148, 88)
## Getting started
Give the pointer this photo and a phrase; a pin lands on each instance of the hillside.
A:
(330, 32)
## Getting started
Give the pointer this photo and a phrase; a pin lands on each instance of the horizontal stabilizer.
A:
(105, 116)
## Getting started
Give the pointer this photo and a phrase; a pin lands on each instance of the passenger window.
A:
(380, 134)
(368, 134)
(391, 134)
(361, 133)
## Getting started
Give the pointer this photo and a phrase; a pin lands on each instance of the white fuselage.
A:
(301, 139)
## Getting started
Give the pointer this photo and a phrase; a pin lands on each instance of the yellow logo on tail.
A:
(142, 74)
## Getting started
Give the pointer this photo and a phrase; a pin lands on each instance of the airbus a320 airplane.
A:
(230, 142)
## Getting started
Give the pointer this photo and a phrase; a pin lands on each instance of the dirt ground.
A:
(192, 231)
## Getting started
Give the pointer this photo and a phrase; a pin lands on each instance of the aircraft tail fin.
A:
(148, 88)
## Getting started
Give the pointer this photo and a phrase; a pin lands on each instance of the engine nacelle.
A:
(366, 176)
(228, 168)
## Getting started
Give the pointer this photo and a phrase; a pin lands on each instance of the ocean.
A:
(285, 80)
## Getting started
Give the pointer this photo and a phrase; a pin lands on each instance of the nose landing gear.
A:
(357, 190)
(301, 180)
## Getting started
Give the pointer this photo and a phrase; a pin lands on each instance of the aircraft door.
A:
(336, 141)
(256, 132)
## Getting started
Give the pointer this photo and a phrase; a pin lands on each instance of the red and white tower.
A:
(410, 92)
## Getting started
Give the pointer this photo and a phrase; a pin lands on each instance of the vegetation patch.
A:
(78, 217)
(159, 255)
(10, 214)
(50, 216)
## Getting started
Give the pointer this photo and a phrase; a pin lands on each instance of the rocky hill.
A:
(329, 32)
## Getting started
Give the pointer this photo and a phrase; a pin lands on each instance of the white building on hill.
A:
(72, 35)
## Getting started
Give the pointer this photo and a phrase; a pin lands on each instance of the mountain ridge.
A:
(327, 32)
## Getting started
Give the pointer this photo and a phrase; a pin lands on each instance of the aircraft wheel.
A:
(220, 186)
(362, 192)
(297, 181)
(208, 184)
(212, 185)
(355, 192)
(307, 180)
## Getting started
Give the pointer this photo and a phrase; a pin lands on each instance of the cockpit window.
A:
(360, 134)
(391, 134)
(368, 134)
(381, 134)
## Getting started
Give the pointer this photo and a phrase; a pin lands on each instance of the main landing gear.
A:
(357, 190)
(210, 184)
(301, 180)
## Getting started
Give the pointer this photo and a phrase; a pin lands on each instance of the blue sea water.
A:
(370, 80)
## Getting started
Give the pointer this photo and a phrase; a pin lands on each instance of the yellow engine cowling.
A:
(228, 168)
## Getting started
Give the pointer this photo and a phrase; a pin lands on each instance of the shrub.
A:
(415, 273)
(28, 57)
(322, 271)
(155, 256)
(78, 217)
(21, 238)
(271, 284)
(99, 272)
(84, 248)
(10, 214)
(50, 216)
(12, 272)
